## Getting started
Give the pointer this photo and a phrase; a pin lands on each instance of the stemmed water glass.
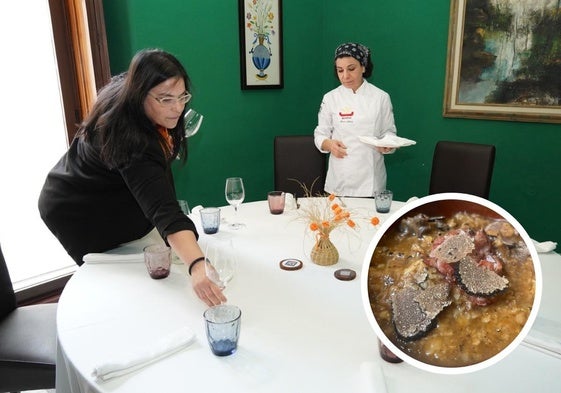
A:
(193, 120)
(221, 262)
(235, 195)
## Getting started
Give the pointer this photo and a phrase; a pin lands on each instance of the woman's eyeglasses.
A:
(171, 101)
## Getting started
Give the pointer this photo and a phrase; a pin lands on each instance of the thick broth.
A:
(465, 333)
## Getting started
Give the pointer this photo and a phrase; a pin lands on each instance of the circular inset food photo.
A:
(451, 283)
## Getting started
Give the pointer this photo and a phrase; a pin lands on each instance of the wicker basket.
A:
(324, 252)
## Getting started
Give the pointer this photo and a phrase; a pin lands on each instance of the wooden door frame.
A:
(82, 55)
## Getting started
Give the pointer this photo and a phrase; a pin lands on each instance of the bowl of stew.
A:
(451, 283)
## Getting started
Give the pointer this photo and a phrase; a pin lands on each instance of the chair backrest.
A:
(297, 158)
(7, 295)
(462, 167)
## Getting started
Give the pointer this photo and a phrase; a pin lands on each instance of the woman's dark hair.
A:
(367, 69)
(118, 122)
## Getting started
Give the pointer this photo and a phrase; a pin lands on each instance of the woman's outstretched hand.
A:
(205, 289)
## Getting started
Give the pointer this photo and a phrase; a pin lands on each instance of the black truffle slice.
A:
(478, 280)
(414, 310)
(453, 248)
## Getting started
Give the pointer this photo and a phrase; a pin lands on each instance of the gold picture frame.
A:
(501, 71)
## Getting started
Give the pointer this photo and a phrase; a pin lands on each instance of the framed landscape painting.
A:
(261, 44)
(504, 60)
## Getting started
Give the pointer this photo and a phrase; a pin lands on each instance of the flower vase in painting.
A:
(260, 22)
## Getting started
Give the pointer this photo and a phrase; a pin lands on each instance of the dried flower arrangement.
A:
(323, 214)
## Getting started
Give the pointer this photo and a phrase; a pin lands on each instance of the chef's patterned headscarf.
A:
(358, 51)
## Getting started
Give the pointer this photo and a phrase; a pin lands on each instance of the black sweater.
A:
(91, 208)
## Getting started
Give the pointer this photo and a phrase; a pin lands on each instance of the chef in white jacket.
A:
(355, 108)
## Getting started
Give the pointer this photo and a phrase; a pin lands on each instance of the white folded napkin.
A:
(413, 198)
(94, 257)
(545, 336)
(144, 355)
(544, 247)
(290, 201)
(196, 209)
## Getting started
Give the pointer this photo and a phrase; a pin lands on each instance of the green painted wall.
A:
(409, 45)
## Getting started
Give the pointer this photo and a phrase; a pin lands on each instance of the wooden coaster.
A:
(345, 274)
(291, 264)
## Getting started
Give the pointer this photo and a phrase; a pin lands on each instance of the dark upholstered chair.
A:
(27, 340)
(462, 167)
(296, 157)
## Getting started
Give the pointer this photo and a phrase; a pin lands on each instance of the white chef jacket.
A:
(346, 115)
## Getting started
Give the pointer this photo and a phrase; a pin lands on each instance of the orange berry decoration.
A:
(314, 226)
(331, 197)
(339, 217)
(374, 221)
(351, 223)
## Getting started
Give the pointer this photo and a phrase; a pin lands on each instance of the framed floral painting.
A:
(261, 44)
(504, 60)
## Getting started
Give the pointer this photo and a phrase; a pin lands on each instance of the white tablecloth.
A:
(302, 331)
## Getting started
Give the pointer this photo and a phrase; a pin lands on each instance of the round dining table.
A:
(302, 330)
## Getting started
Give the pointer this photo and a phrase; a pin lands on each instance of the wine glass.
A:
(193, 120)
(235, 195)
(221, 262)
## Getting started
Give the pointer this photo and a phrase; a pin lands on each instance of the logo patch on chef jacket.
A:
(346, 115)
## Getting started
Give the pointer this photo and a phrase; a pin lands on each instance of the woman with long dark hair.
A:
(114, 184)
